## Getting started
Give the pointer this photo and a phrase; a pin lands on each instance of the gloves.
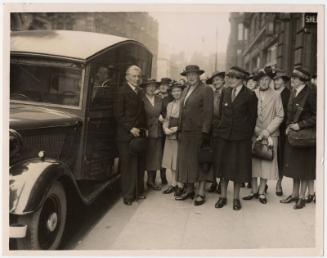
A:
(205, 139)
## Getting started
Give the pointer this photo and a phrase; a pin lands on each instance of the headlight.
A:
(15, 143)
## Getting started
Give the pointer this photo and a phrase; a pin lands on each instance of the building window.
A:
(272, 55)
(246, 32)
(240, 31)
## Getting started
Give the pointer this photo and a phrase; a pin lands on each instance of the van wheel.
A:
(45, 227)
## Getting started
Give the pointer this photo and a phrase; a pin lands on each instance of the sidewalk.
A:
(160, 222)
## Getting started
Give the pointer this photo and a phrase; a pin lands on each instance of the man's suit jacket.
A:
(197, 112)
(308, 114)
(237, 118)
(129, 112)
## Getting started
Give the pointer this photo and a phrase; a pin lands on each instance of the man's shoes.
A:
(128, 202)
(236, 205)
(299, 204)
(179, 191)
(153, 186)
(199, 200)
(289, 199)
(251, 196)
(221, 202)
(170, 189)
(185, 196)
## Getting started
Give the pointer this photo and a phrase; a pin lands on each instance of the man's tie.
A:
(233, 94)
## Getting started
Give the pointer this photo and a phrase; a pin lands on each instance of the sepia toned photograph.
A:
(169, 129)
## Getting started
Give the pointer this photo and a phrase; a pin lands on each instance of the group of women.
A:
(205, 131)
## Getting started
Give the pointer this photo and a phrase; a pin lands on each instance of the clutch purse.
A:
(261, 150)
(302, 138)
(172, 122)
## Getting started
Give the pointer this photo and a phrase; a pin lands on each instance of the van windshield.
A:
(45, 81)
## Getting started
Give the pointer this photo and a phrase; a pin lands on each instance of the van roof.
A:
(70, 44)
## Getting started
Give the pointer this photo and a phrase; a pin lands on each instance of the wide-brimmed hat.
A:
(217, 73)
(149, 82)
(301, 73)
(192, 69)
(281, 74)
(165, 80)
(238, 72)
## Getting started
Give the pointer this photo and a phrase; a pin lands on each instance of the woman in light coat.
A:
(169, 160)
(270, 116)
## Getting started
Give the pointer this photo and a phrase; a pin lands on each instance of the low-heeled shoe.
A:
(289, 199)
(221, 202)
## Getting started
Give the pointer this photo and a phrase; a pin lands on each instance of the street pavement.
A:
(160, 222)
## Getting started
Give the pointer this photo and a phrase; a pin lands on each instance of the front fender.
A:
(29, 182)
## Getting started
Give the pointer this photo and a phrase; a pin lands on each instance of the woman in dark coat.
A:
(280, 81)
(232, 148)
(194, 128)
(153, 110)
(300, 163)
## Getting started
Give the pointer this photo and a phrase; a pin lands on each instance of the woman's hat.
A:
(192, 69)
(238, 72)
(149, 82)
(281, 74)
(165, 80)
(301, 73)
(217, 73)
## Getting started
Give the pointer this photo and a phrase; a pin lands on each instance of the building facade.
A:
(134, 25)
(283, 40)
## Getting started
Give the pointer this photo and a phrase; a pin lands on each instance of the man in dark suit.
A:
(280, 81)
(131, 123)
(233, 148)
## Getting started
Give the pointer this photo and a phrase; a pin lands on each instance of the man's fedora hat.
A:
(165, 80)
(281, 74)
(192, 69)
(150, 82)
(238, 72)
(301, 73)
(215, 74)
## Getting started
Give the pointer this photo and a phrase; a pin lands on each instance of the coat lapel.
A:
(238, 97)
(195, 89)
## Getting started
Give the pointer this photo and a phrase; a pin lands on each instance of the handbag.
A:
(305, 137)
(261, 150)
(173, 122)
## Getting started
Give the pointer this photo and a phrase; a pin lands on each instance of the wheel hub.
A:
(52, 222)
